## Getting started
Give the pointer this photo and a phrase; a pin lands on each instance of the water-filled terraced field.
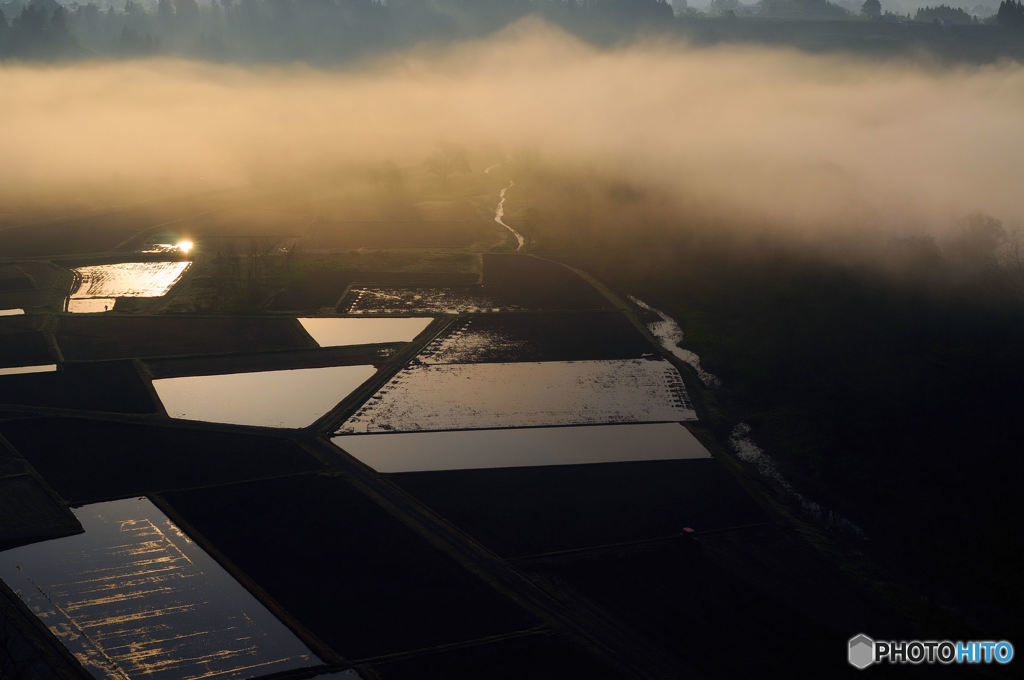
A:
(288, 398)
(474, 396)
(407, 300)
(522, 447)
(133, 597)
(334, 332)
(100, 285)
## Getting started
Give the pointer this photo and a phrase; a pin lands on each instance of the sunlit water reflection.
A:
(293, 398)
(100, 285)
(339, 331)
(134, 597)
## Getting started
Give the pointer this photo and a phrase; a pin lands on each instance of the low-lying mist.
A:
(766, 137)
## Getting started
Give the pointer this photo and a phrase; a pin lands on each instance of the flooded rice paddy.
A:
(536, 336)
(133, 597)
(502, 395)
(405, 300)
(90, 305)
(337, 332)
(100, 285)
(522, 447)
(290, 398)
(37, 368)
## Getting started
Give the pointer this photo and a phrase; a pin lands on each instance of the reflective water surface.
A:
(291, 398)
(419, 300)
(99, 284)
(500, 395)
(134, 597)
(38, 368)
(90, 305)
(335, 332)
(524, 447)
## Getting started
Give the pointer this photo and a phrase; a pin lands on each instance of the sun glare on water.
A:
(183, 246)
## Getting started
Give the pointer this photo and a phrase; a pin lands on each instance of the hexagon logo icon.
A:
(861, 651)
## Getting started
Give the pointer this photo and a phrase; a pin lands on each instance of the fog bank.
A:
(768, 136)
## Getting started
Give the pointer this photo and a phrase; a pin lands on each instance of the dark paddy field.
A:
(376, 355)
(531, 510)
(112, 386)
(92, 460)
(14, 280)
(22, 345)
(533, 283)
(31, 512)
(359, 579)
(538, 657)
(324, 289)
(672, 593)
(510, 282)
(32, 285)
(77, 235)
(461, 226)
(109, 337)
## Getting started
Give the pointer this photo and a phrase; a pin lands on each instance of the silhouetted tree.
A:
(871, 9)
(1011, 14)
(944, 15)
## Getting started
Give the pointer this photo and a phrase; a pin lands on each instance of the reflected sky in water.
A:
(292, 399)
(525, 447)
(37, 368)
(336, 332)
(134, 597)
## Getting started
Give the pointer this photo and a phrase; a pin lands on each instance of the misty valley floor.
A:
(454, 463)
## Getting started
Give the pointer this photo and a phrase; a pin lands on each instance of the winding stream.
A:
(499, 217)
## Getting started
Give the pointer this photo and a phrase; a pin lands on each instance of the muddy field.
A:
(374, 355)
(525, 511)
(163, 336)
(114, 386)
(92, 460)
(510, 283)
(24, 342)
(675, 594)
(31, 512)
(530, 336)
(315, 281)
(538, 657)
(419, 300)
(34, 286)
(358, 578)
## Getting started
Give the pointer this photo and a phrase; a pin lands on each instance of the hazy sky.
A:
(761, 133)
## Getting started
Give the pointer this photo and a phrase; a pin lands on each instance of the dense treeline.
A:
(1011, 14)
(328, 31)
(313, 30)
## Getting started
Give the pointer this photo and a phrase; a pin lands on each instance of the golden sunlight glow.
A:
(183, 246)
